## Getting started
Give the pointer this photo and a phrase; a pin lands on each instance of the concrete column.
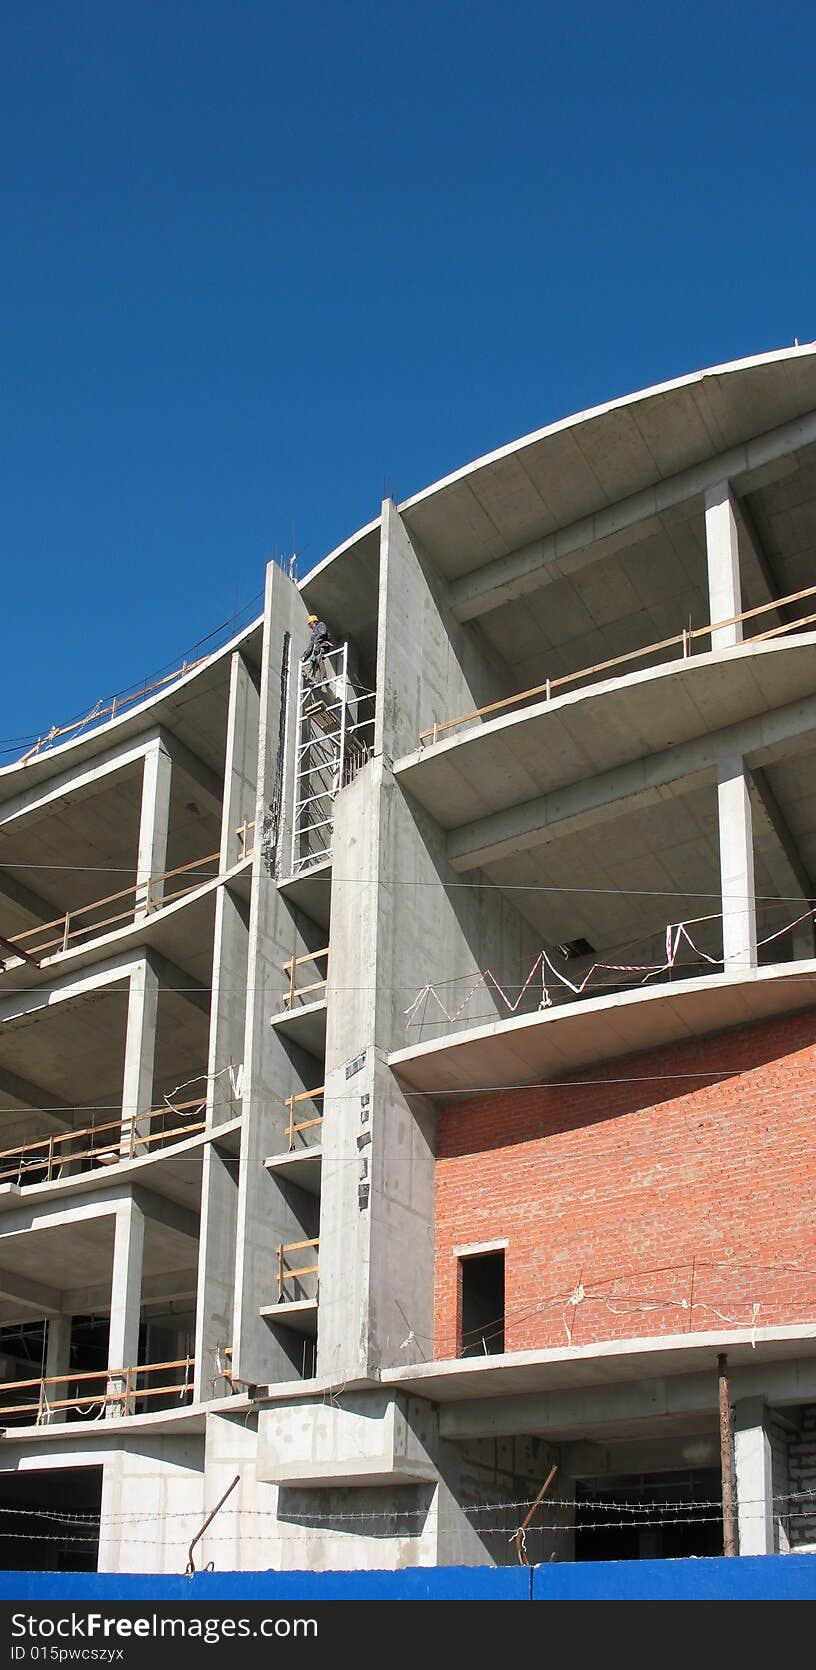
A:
(126, 1297)
(241, 763)
(722, 550)
(153, 827)
(57, 1359)
(736, 864)
(140, 1048)
(219, 1181)
(216, 1270)
(268, 1213)
(752, 1450)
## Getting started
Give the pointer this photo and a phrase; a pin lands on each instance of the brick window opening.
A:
(481, 1304)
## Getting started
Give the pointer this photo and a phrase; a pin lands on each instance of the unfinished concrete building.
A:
(407, 1072)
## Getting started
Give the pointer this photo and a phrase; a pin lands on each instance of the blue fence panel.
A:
(415, 1583)
(749, 1577)
(765, 1577)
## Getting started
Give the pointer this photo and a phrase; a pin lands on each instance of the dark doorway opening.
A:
(481, 1304)
(651, 1516)
(37, 1529)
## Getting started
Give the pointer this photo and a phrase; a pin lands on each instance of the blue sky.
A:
(262, 262)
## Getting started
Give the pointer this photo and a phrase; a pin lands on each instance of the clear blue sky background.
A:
(260, 260)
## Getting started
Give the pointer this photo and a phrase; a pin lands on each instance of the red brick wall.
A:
(680, 1198)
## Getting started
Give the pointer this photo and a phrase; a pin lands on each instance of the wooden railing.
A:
(243, 836)
(109, 710)
(683, 639)
(296, 1126)
(121, 1139)
(285, 1270)
(113, 1387)
(291, 967)
(72, 926)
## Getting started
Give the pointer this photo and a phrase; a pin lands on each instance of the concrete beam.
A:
(208, 781)
(26, 899)
(534, 822)
(592, 538)
(75, 784)
(68, 987)
(695, 1444)
(33, 1295)
(591, 1409)
(158, 1209)
(165, 1287)
(32, 1096)
(175, 978)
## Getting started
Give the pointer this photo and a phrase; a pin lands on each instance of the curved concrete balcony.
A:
(154, 1148)
(499, 785)
(164, 702)
(169, 922)
(67, 1156)
(539, 1046)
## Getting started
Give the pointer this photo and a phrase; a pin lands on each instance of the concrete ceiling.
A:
(618, 884)
(656, 586)
(78, 1255)
(77, 1053)
(78, 1056)
(84, 847)
(638, 586)
(577, 467)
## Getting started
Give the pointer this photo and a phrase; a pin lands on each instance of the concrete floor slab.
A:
(552, 1041)
(534, 750)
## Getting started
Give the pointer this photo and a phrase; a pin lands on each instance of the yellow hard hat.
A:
(312, 620)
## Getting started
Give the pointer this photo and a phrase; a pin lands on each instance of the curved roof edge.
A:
(124, 718)
(689, 380)
(777, 356)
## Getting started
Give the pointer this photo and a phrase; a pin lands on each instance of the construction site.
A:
(408, 1035)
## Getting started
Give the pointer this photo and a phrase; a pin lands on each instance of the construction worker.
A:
(319, 642)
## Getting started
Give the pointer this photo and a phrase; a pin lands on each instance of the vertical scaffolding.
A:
(334, 733)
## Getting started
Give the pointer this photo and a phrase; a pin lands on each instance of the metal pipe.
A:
(726, 1459)
(208, 1521)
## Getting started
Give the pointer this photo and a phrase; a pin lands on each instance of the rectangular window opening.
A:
(481, 1305)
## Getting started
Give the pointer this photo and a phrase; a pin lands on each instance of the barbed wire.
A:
(511, 1505)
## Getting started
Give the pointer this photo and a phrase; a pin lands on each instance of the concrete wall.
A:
(429, 666)
(291, 1529)
(241, 766)
(152, 1503)
(396, 927)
